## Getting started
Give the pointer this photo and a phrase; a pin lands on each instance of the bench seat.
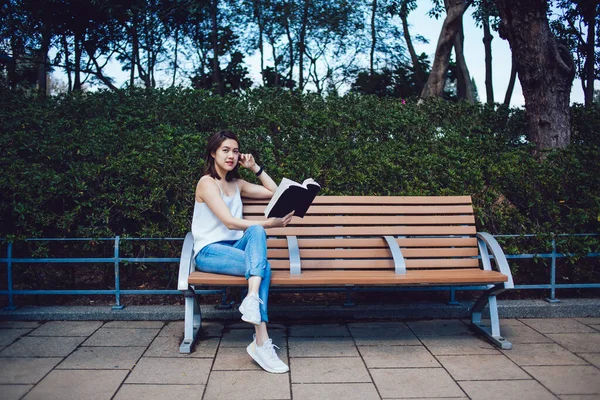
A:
(371, 241)
(362, 278)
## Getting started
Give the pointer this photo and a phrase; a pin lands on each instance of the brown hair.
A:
(212, 145)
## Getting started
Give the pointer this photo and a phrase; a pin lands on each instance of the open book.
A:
(294, 196)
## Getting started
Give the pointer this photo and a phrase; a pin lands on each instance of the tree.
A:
(545, 69)
(451, 36)
(577, 26)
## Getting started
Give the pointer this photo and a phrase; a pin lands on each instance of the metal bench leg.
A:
(491, 332)
(193, 321)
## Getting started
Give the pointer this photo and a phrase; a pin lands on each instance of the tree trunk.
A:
(511, 82)
(175, 57)
(291, 50)
(68, 69)
(215, 44)
(545, 68)
(78, 43)
(590, 61)
(437, 77)
(134, 51)
(302, 45)
(487, 45)
(419, 76)
(373, 39)
(43, 61)
(260, 23)
(465, 86)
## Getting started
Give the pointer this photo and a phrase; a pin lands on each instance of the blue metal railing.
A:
(116, 260)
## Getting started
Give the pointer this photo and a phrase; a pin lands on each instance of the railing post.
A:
(11, 305)
(553, 298)
(118, 305)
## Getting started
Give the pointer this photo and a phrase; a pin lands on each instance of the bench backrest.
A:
(346, 232)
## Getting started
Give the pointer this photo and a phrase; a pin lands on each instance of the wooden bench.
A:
(371, 241)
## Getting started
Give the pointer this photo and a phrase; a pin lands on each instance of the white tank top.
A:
(207, 228)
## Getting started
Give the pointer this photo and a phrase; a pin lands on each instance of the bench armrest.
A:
(486, 241)
(186, 263)
(294, 252)
(399, 263)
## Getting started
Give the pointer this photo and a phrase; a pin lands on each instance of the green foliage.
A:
(112, 163)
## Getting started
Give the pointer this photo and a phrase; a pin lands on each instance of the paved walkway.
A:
(550, 359)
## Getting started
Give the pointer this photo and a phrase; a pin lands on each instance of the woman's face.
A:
(227, 155)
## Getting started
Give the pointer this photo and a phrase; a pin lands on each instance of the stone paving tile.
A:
(481, 367)
(174, 371)
(77, 385)
(135, 324)
(596, 327)
(236, 358)
(440, 327)
(25, 370)
(14, 392)
(67, 328)
(557, 325)
(7, 336)
(121, 337)
(168, 346)
(517, 332)
(322, 347)
(383, 334)
(247, 385)
(589, 321)
(208, 329)
(397, 357)
(328, 370)
(577, 342)
(542, 354)
(159, 392)
(30, 346)
(592, 358)
(503, 390)
(579, 397)
(243, 337)
(323, 330)
(568, 380)
(458, 345)
(346, 391)
(415, 382)
(19, 324)
(103, 358)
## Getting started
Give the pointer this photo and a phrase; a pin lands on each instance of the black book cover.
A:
(290, 196)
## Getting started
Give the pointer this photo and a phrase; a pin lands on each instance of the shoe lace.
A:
(257, 299)
(270, 349)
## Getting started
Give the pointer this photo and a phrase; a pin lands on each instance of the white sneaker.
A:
(250, 309)
(266, 357)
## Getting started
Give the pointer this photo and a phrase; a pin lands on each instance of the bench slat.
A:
(373, 231)
(328, 243)
(380, 200)
(374, 253)
(377, 220)
(317, 209)
(369, 264)
(337, 278)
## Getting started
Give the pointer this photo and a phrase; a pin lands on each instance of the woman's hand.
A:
(280, 222)
(247, 161)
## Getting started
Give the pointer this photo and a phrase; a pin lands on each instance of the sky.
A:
(422, 24)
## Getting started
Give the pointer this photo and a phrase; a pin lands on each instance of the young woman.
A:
(224, 243)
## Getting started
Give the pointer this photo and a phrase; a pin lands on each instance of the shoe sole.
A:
(250, 321)
(246, 319)
(255, 358)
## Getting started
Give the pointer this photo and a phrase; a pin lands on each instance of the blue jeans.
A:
(245, 257)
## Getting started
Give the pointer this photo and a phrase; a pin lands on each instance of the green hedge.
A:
(105, 163)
